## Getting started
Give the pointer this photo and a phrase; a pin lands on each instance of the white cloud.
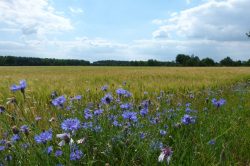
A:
(76, 10)
(225, 20)
(32, 16)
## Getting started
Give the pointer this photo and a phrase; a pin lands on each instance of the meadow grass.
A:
(219, 134)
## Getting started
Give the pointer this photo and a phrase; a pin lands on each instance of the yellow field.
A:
(77, 79)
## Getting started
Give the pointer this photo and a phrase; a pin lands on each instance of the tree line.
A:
(31, 61)
(181, 60)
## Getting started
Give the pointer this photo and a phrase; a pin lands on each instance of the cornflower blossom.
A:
(15, 138)
(76, 154)
(126, 106)
(8, 157)
(22, 85)
(130, 115)
(2, 148)
(142, 135)
(123, 92)
(107, 99)
(105, 88)
(218, 103)
(2, 109)
(43, 137)
(71, 124)
(97, 129)
(25, 145)
(145, 103)
(78, 97)
(187, 119)
(188, 104)
(87, 125)
(144, 111)
(155, 145)
(166, 153)
(188, 110)
(163, 132)
(25, 129)
(49, 150)
(212, 142)
(98, 112)
(58, 153)
(87, 114)
(116, 123)
(59, 101)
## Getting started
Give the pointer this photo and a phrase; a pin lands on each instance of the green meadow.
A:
(121, 133)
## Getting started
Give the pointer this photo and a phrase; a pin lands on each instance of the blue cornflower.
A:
(107, 99)
(218, 103)
(22, 85)
(8, 157)
(126, 106)
(87, 114)
(145, 103)
(130, 115)
(112, 117)
(25, 129)
(211, 142)
(78, 97)
(59, 101)
(142, 135)
(188, 104)
(2, 142)
(58, 153)
(188, 110)
(15, 138)
(15, 88)
(2, 148)
(2, 109)
(25, 145)
(154, 120)
(187, 119)
(97, 129)
(144, 111)
(49, 150)
(156, 145)
(98, 112)
(87, 125)
(43, 137)
(105, 88)
(76, 154)
(163, 132)
(123, 92)
(116, 123)
(71, 124)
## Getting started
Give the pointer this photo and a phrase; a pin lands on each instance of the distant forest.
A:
(181, 60)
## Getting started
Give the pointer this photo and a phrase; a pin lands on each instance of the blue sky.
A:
(125, 29)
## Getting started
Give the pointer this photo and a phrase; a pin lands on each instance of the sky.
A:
(125, 29)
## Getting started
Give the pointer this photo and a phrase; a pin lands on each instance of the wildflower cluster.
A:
(76, 129)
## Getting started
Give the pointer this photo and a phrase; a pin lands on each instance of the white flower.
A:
(81, 141)
(65, 137)
(161, 157)
(166, 153)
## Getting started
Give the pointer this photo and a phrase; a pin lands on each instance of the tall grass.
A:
(219, 136)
